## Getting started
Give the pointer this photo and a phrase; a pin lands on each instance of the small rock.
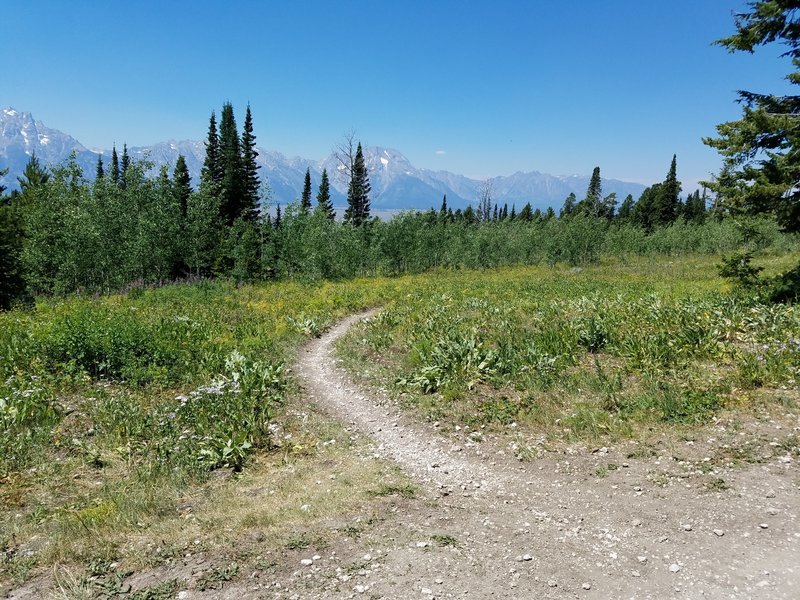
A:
(687, 527)
(316, 557)
(306, 562)
(367, 557)
(636, 522)
(552, 583)
(635, 574)
(183, 595)
(772, 511)
(427, 591)
(422, 544)
(587, 586)
(719, 532)
(674, 568)
(763, 525)
(527, 557)
(360, 589)
(641, 559)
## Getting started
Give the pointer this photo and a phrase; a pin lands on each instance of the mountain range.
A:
(396, 183)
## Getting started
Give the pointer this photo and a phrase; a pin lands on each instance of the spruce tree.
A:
(625, 209)
(504, 213)
(443, 208)
(569, 206)
(513, 214)
(358, 191)
(211, 173)
(232, 188)
(665, 208)
(182, 184)
(324, 204)
(100, 172)
(125, 164)
(251, 182)
(305, 199)
(592, 204)
(114, 165)
(549, 213)
(526, 214)
(34, 175)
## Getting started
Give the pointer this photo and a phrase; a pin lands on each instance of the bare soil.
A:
(715, 516)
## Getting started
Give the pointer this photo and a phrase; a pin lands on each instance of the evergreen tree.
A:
(569, 206)
(212, 169)
(358, 191)
(469, 215)
(537, 216)
(761, 151)
(278, 219)
(443, 209)
(114, 165)
(513, 212)
(504, 213)
(495, 214)
(125, 164)
(643, 210)
(251, 182)
(665, 206)
(526, 214)
(34, 175)
(324, 204)
(100, 172)
(305, 199)
(626, 209)
(549, 213)
(182, 184)
(592, 204)
(232, 189)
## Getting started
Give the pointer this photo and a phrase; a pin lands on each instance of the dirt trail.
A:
(552, 528)
(593, 524)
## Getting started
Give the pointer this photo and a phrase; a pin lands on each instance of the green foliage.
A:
(357, 212)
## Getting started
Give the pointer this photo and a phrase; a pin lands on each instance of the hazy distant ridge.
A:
(396, 183)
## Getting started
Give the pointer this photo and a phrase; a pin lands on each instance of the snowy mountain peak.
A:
(395, 182)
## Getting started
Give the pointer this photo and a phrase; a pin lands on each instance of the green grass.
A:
(114, 410)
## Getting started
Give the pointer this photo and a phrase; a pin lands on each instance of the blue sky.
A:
(479, 88)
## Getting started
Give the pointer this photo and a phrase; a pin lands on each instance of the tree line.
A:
(60, 233)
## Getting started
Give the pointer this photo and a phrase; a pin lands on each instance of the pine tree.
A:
(549, 213)
(125, 164)
(569, 206)
(324, 204)
(305, 199)
(625, 209)
(114, 166)
(358, 191)
(182, 184)
(251, 182)
(232, 188)
(278, 219)
(665, 207)
(100, 172)
(513, 212)
(34, 175)
(761, 151)
(495, 215)
(526, 214)
(443, 208)
(592, 204)
(212, 169)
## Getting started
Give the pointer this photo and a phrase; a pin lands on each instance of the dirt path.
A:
(595, 524)
(492, 527)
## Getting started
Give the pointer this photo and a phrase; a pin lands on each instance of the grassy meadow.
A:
(119, 412)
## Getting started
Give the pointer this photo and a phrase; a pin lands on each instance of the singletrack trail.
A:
(552, 528)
